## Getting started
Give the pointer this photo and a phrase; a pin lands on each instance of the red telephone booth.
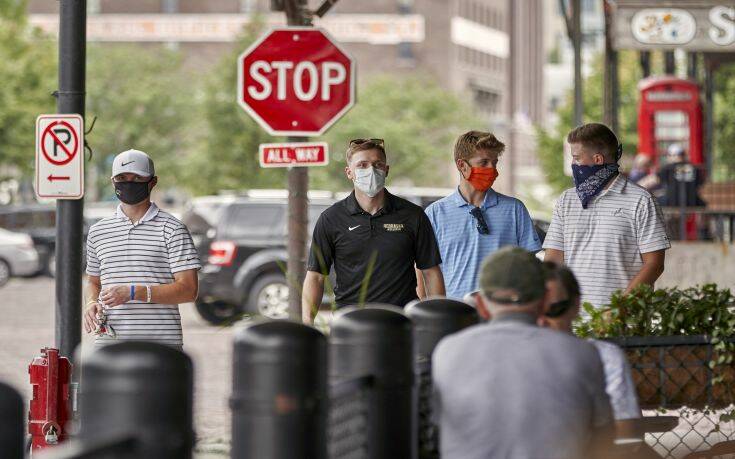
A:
(670, 112)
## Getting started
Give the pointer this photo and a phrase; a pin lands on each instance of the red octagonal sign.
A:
(295, 81)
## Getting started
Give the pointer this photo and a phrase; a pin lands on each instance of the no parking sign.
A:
(59, 156)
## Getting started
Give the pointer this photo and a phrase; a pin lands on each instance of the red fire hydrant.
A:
(49, 410)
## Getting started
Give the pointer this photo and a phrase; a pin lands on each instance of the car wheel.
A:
(218, 312)
(4, 272)
(51, 264)
(269, 296)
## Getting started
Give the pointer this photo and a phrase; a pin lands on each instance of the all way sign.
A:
(59, 157)
(294, 154)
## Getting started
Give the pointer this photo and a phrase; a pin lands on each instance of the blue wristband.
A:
(132, 292)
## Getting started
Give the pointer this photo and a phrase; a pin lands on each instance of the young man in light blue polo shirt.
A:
(475, 221)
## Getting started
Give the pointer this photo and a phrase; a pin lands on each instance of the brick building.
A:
(463, 44)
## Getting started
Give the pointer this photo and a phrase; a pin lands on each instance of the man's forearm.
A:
(434, 280)
(175, 293)
(647, 275)
(93, 292)
(554, 255)
(311, 296)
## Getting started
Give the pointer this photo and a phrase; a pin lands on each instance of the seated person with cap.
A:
(511, 389)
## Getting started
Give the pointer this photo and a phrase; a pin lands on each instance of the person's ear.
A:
(598, 159)
(348, 172)
(463, 167)
(387, 169)
(482, 309)
(154, 182)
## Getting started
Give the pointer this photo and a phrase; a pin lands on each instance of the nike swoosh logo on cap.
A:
(125, 164)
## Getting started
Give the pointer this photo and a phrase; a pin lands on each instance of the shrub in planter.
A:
(679, 342)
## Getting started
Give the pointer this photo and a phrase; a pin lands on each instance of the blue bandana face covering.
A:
(590, 180)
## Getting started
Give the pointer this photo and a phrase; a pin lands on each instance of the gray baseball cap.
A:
(515, 272)
(133, 162)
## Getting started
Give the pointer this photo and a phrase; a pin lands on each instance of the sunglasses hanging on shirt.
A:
(480, 222)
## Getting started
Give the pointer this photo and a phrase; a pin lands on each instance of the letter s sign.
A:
(722, 31)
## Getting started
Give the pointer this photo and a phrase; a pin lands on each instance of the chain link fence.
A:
(673, 377)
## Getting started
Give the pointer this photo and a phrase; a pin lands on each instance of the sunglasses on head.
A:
(480, 222)
(380, 142)
(559, 308)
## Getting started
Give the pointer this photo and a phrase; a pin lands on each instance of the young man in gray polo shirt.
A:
(607, 229)
(141, 263)
(510, 389)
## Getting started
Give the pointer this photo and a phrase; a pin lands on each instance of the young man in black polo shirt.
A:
(373, 239)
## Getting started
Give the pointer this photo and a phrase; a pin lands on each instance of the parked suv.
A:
(242, 243)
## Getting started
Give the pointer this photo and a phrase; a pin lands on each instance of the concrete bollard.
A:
(378, 340)
(11, 423)
(279, 392)
(436, 318)
(142, 389)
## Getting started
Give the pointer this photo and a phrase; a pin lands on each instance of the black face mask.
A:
(132, 192)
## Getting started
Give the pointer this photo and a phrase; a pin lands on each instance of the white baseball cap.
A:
(133, 162)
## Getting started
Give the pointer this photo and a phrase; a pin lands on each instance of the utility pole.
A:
(645, 60)
(577, 43)
(69, 213)
(574, 31)
(512, 90)
(298, 190)
(669, 63)
(611, 87)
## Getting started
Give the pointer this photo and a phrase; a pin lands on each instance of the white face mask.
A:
(369, 180)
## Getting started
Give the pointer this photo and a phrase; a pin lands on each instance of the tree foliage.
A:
(418, 120)
(724, 124)
(143, 99)
(28, 76)
(551, 143)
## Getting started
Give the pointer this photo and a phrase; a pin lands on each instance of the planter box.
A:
(673, 371)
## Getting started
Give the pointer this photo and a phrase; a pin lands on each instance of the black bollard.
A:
(378, 340)
(436, 318)
(279, 392)
(143, 390)
(11, 423)
(433, 319)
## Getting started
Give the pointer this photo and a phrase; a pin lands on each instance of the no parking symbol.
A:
(59, 157)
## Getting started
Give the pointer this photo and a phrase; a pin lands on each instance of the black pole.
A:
(11, 423)
(140, 389)
(69, 213)
(577, 44)
(669, 63)
(279, 392)
(645, 60)
(692, 65)
(378, 341)
(709, 113)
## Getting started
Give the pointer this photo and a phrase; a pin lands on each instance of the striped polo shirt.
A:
(461, 245)
(603, 243)
(148, 252)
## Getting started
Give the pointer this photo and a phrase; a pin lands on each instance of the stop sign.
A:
(295, 81)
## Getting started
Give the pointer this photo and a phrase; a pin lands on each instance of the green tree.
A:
(419, 121)
(551, 143)
(724, 124)
(28, 76)
(143, 99)
(227, 157)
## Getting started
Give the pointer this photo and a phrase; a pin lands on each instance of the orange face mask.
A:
(482, 178)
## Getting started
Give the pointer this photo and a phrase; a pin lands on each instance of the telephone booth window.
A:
(672, 127)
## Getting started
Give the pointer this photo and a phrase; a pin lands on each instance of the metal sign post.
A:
(69, 213)
(297, 82)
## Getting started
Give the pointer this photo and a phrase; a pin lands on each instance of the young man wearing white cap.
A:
(141, 263)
